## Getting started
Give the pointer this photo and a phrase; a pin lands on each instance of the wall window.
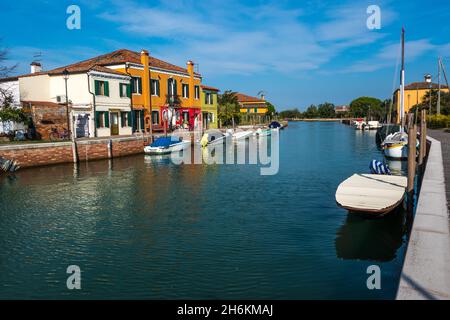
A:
(197, 92)
(125, 90)
(102, 119)
(208, 98)
(155, 90)
(126, 119)
(136, 85)
(185, 90)
(155, 117)
(101, 88)
(172, 87)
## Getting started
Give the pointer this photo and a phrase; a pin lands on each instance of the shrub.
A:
(438, 121)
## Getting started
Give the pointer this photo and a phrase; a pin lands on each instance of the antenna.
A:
(37, 56)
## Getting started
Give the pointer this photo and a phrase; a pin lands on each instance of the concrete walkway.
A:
(444, 138)
(426, 270)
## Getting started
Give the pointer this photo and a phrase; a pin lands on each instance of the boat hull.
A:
(397, 151)
(167, 150)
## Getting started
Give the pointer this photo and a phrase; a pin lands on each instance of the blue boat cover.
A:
(165, 142)
(274, 125)
(377, 167)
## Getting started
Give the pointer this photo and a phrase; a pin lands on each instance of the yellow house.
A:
(414, 94)
(252, 105)
(172, 93)
(209, 106)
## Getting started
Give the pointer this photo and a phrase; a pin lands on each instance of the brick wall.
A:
(39, 154)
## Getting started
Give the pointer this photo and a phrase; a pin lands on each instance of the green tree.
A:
(311, 112)
(270, 109)
(367, 107)
(228, 108)
(326, 110)
(290, 114)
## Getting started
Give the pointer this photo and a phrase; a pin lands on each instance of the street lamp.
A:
(66, 77)
(428, 79)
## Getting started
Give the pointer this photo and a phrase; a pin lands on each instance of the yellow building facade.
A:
(251, 105)
(414, 95)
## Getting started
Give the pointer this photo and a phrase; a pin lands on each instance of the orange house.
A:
(163, 95)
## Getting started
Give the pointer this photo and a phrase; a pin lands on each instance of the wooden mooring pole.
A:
(412, 140)
(423, 136)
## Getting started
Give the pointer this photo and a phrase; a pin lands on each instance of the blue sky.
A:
(298, 52)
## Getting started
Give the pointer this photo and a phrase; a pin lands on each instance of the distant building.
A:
(341, 109)
(414, 94)
(251, 105)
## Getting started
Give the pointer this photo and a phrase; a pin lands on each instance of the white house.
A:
(99, 97)
(10, 86)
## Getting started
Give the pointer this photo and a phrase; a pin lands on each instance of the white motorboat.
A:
(373, 125)
(166, 145)
(214, 138)
(263, 132)
(242, 135)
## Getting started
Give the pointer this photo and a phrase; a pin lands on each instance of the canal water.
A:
(141, 227)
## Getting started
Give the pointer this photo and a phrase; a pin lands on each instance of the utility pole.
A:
(438, 107)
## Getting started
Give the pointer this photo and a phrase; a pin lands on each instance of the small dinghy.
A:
(242, 135)
(166, 145)
(263, 132)
(214, 138)
(371, 194)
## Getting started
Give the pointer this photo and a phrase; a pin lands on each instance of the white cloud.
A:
(242, 39)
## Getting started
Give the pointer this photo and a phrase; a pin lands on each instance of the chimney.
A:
(146, 81)
(35, 67)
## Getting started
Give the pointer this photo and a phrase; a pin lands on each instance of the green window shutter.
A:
(120, 89)
(106, 119)
(157, 88)
(98, 114)
(130, 120)
(128, 90)
(142, 119)
(139, 85)
(256, 110)
(107, 88)
(122, 118)
(133, 89)
(133, 120)
(97, 87)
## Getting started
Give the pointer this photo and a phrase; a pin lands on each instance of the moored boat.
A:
(166, 145)
(371, 194)
(242, 135)
(263, 132)
(214, 138)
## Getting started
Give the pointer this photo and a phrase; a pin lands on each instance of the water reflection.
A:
(378, 239)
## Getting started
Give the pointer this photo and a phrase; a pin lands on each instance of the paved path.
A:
(444, 138)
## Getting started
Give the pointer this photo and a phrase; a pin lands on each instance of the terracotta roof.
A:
(83, 68)
(423, 85)
(209, 88)
(242, 98)
(42, 103)
(119, 57)
(7, 79)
